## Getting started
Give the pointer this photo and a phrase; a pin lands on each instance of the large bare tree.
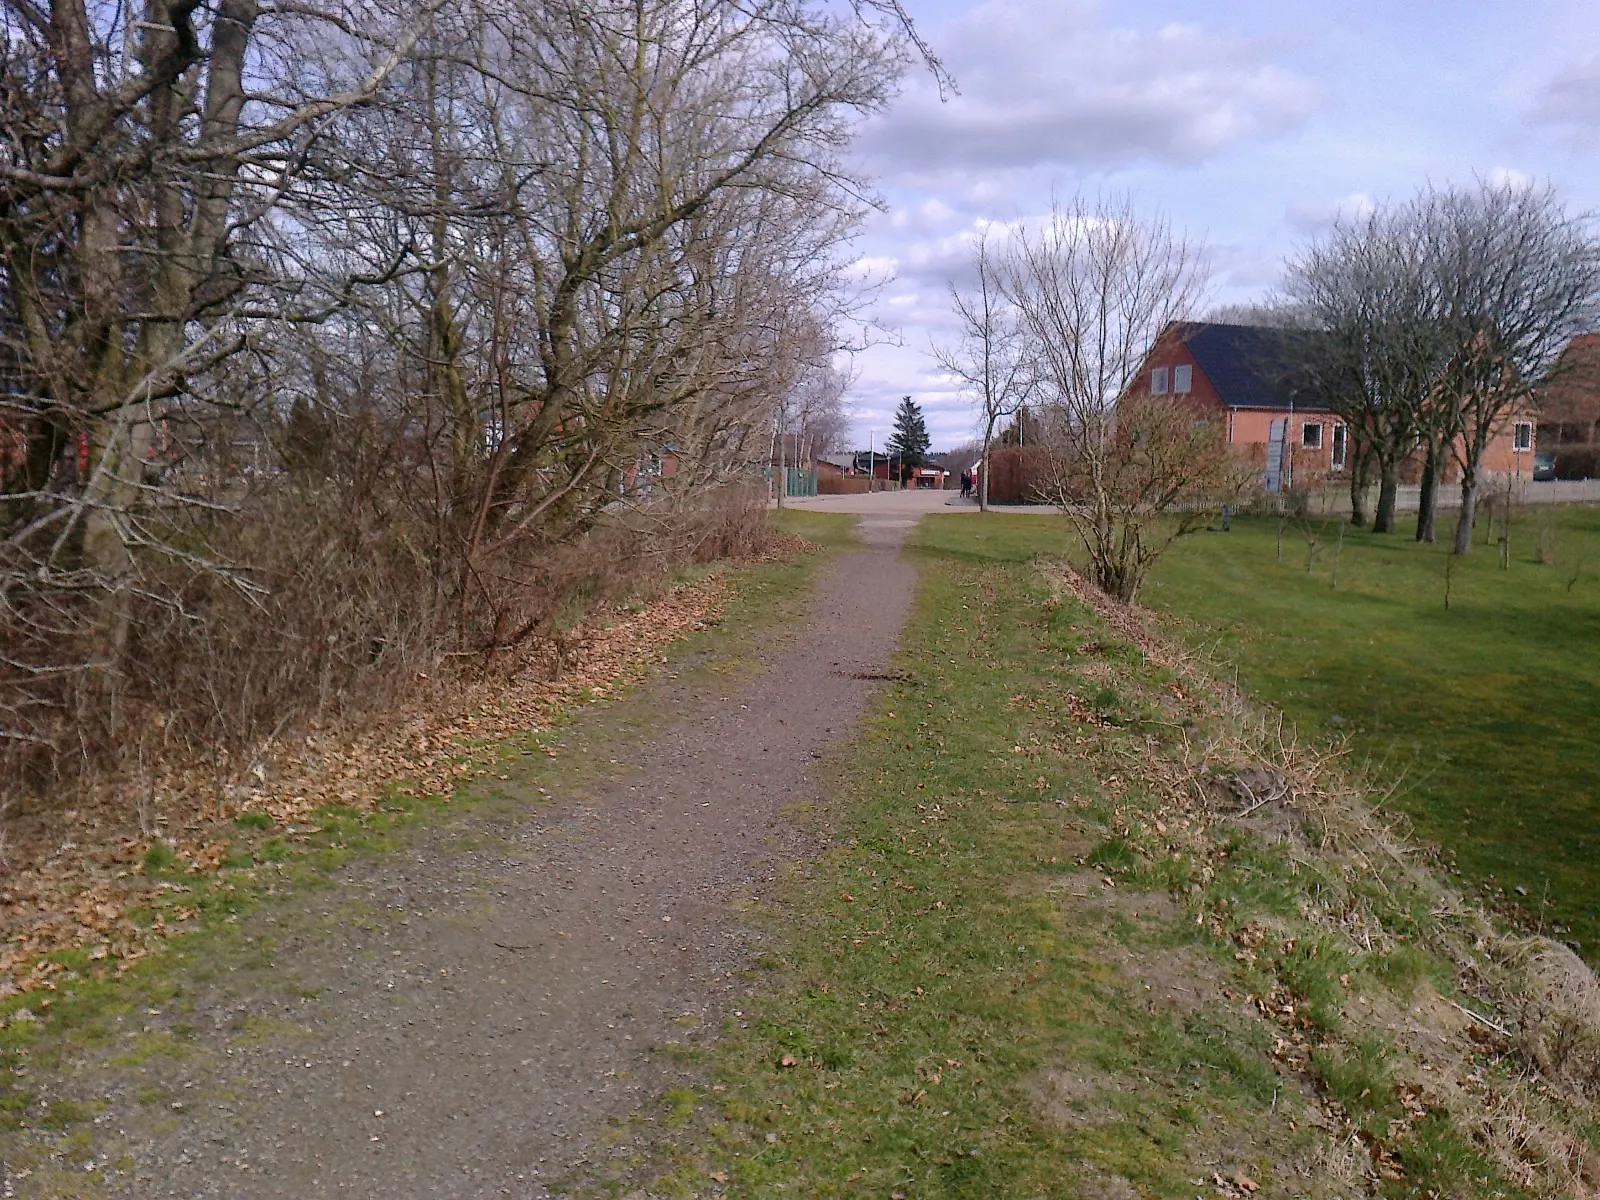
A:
(1519, 277)
(1441, 317)
(1370, 287)
(410, 293)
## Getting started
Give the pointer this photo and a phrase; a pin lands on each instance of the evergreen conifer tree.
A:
(910, 442)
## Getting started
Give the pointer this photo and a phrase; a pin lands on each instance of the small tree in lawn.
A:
(909, 442)
(1094, 289)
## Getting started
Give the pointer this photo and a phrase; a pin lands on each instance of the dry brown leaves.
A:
(74, 875)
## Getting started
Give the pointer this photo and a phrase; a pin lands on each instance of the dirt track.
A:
(477, 1007)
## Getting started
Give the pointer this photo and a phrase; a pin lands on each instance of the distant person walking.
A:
(966, 485)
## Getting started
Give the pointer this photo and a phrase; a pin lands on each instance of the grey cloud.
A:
(1048, 83)
(1572, 98)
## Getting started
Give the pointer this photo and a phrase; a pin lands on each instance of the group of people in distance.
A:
(969, 481)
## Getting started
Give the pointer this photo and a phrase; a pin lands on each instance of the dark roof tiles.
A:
(1253, 366)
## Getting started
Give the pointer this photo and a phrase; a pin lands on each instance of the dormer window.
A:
(1158, 381)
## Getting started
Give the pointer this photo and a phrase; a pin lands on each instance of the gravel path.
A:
(484, 1002)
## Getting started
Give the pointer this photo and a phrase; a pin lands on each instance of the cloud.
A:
(1571, 98)
(1050, 90)
(1509, 179)
(1049, 83)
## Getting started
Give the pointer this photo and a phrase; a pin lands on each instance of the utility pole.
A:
(871, 469)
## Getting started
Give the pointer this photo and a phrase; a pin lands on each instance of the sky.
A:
(1249, 124)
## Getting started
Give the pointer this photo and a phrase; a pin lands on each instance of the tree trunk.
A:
(1388, 493)
(1360, 478)
(783, 471)
(983, 478)
(1428, 501)
(1469, 510)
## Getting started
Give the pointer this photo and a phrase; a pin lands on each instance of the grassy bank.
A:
(1484, 712)
(1041, 959)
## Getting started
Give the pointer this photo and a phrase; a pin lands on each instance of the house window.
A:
(1311, 435)
(1182, 379)
(1158, 382)
(1522, 436)
(1341, 446)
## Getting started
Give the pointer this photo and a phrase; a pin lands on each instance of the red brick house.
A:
(1569, 409)
(1245, 378)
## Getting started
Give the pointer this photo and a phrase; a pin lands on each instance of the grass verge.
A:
(1050, 953)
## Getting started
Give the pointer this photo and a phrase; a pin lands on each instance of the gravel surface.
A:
(477, 1007)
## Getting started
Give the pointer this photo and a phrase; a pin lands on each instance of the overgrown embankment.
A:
(1094, 926)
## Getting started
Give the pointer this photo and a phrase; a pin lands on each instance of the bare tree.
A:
(1519, 278)
(150, 152)
(418, 288)
(988, 358)
(1370, 287)
(1094, 289)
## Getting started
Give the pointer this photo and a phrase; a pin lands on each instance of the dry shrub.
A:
(1556, 1010)
(328, 617)
(529, 597)
(315, 604)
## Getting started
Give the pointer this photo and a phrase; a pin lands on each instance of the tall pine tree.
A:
(910, 441)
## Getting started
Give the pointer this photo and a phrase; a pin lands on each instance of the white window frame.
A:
(1182, 379)
(1522, 437)
(1340, 452)
(1158, 381)
(1305, 435)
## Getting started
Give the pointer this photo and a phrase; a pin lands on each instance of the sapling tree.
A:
(1094, 287)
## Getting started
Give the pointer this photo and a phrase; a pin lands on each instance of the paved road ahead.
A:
(917, 502)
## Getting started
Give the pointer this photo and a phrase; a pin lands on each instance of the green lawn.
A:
(1487, 714)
